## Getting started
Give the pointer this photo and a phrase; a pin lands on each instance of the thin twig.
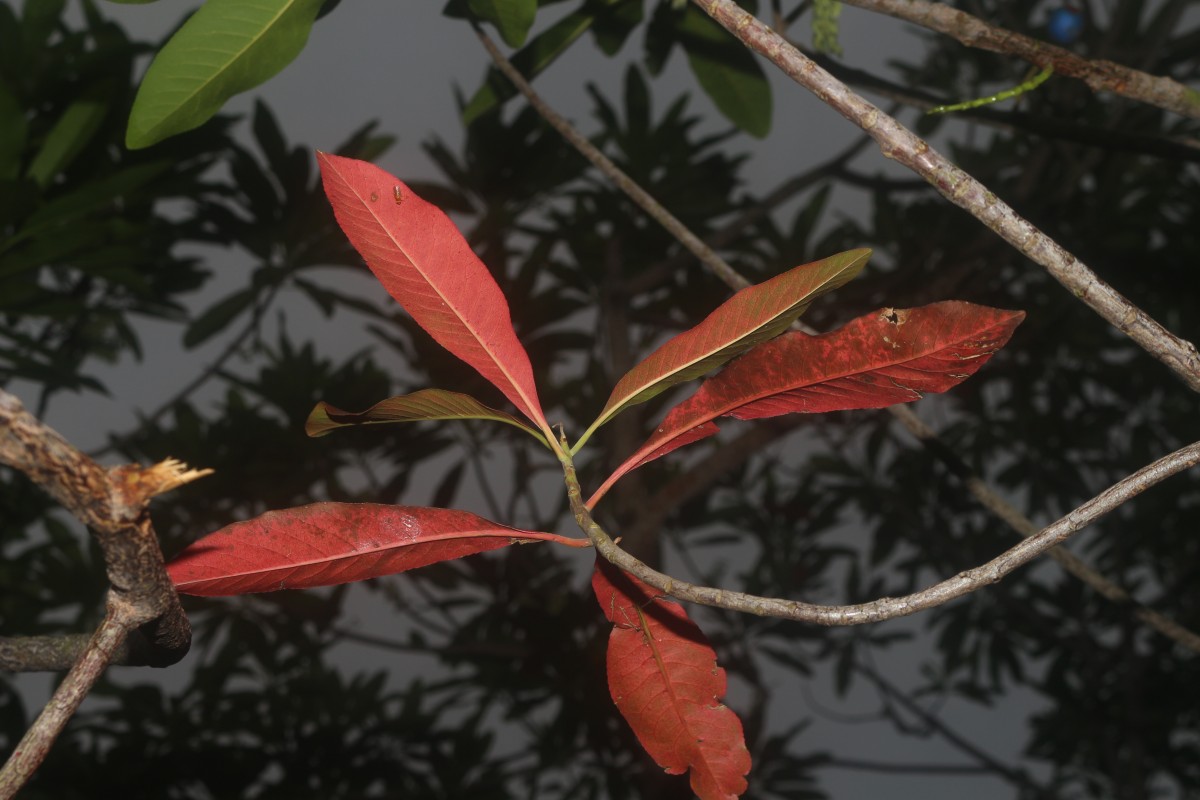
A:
(991, 500)
(503, 650)
(209, 372)
(897, 142)
(726, 234)
(36, 742)
(903, 767)
(988, 762)
(987, 496)
(1180, 148)
(1098, 75)
(614, 173)
(887, 607)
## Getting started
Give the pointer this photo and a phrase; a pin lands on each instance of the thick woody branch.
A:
(1098, 75)
(897, 142)
(887, 607)
(112, 503)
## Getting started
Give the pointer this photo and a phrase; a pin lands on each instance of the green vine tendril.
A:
(1029, 85)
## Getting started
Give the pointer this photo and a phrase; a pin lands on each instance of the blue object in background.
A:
(1065, 25)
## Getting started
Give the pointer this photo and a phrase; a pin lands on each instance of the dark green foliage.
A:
(85, 247)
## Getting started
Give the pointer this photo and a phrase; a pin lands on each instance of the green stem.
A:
(1027, 86)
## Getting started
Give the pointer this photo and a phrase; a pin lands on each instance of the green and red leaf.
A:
(427, 266)
(887, 357)
(426, 404)
(752, 316)
(330, 543)
(664, 678)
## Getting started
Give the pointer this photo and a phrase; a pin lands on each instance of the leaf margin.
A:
(236, 540)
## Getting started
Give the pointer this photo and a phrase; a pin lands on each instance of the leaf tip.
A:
(318, 422)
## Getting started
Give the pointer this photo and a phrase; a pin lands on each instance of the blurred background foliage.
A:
(491, 682)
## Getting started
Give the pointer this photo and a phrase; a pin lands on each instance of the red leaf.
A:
(752, 316)
(422, 260)
(329, 543)
(664, 678)
(887, 357)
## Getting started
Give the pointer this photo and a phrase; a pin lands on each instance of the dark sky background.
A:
(398, 62)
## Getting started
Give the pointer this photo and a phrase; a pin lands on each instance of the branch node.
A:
(134, 485)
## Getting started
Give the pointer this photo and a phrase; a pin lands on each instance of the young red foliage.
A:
(887, 357)
(427, 266)
(664, 678)
(751, 316)
(329, 543)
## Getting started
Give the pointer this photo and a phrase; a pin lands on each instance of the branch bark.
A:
(886, 607)
(113, 504)
(898, 143)
(1099, 75)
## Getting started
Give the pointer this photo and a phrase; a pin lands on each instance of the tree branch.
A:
(992, 501)
(904, 767)
(656, 273)
(1099, 75)
(886, 607)
(112, 503)
(1180, 148)
(988, 762)
(613, 172)
(897, 142)
(36, 742)
(984, 493)
(193, 385)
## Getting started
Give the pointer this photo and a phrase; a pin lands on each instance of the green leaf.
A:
(13, 131)
(89, 197)
(426, 404)
(512, 18)
(218, 316)
(728, 73)
(660, 38)
(71, 133)
(39, 20)
(226, 47)
(56, 246)
(612, 29)
(540, 53)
